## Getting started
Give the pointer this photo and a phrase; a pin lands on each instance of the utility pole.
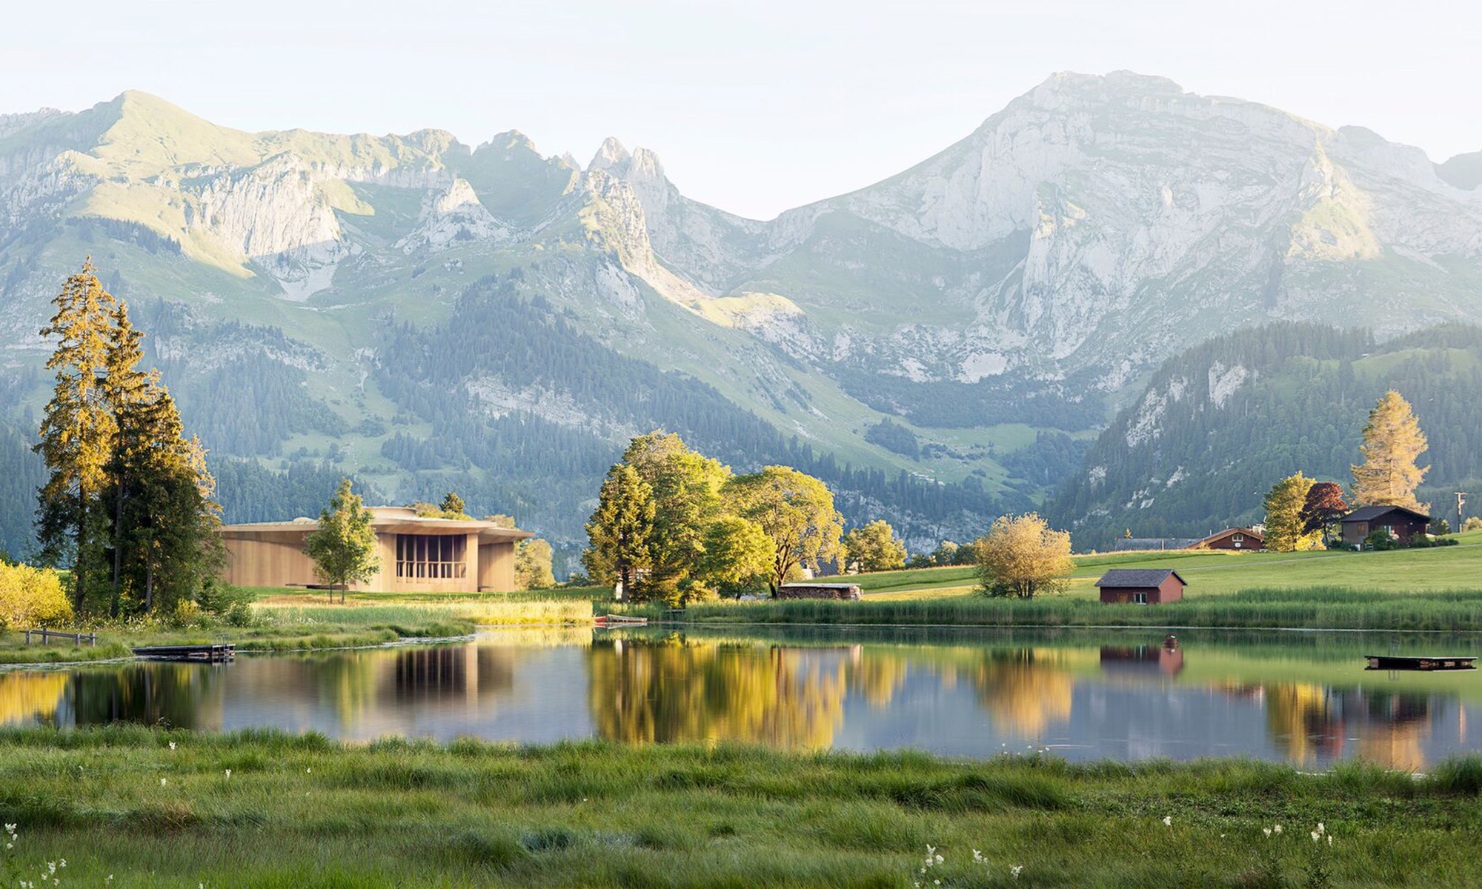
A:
(1461, 500)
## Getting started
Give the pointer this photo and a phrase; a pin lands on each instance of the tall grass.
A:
(261, 808)
(1312, 608)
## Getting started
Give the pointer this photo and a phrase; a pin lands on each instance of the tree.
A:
(533, 565)
(344, 546)
(736, 557)
(875, 547)
(1022, 556)
(1392, 443)
(452, 507)
(1324, 506)
(77, 429)
(619, 531)
(1285, 525)
(795, 510)
(685, 487)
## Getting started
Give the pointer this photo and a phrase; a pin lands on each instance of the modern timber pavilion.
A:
(417, 555)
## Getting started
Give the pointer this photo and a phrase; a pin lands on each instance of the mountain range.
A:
(942, 345)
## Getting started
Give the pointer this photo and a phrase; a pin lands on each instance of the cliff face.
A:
(1077, 238)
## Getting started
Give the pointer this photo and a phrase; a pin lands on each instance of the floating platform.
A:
(215, 652)
(1425, 662)
(619, 620)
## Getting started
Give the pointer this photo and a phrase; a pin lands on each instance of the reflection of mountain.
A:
(1024, 689)
(30, 697)
(672, 691)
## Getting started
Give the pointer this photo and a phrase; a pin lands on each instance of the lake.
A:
(1303, 698)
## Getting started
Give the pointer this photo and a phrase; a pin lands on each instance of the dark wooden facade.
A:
(1401, 523)
(1239, 539)
(1141, 586)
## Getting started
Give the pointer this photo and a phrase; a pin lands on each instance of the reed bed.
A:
(129, 806)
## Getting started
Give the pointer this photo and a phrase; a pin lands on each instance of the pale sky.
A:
(752, 106)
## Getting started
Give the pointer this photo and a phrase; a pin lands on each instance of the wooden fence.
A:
(48, 635)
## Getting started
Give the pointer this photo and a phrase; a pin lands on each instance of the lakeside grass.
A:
(305, 811)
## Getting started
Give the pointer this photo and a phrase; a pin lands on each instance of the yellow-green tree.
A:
(533, 565)
(1021, 556)
(78, 428)
(874, 547)
(344, 546)
(685, 487)
(1392, 443)
(737, 556)
(1286, 525)
(795, 510)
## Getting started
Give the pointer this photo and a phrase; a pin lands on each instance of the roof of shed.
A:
(1134, 577)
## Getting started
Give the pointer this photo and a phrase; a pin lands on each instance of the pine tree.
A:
(1392, 443)
(620, 529)
(78, 429)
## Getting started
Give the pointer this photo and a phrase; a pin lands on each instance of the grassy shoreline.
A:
(159, 808)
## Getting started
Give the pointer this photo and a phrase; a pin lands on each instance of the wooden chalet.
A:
(1141, 586)
(1241, 539)
(417, 555)
(1402, 523)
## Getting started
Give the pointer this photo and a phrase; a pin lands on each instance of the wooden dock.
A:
(1420, 662)
(619, 620)
(214, 652)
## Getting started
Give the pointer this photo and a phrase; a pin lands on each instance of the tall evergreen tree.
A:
(78, 429)
(1392, 443)
(621, 528)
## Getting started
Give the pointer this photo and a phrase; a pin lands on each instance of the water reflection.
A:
(1306, 699)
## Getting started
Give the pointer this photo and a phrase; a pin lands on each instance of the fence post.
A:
(28, 637)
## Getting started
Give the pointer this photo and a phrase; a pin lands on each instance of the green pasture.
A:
(128, 806)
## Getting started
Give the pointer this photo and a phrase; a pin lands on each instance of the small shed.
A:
(1141, 586)
(1401, 523)
(846, 591)
(1240, 539)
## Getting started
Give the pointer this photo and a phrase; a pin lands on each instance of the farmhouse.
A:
(1401, 523)
(417, 555)
(1141, 586)
(1233, 539)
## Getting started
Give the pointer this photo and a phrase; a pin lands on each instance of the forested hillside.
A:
(1221, 423)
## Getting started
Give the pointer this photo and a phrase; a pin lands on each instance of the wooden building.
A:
(1141, 586)
(1401, 523)
(1233, 539)
(417, 555)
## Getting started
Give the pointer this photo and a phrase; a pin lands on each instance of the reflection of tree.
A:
(669, 690)
(174, 695)
(876, 674)
(30, 697)
(1024, 689)
(347, 681)
(1396, 724)
(1303, 718)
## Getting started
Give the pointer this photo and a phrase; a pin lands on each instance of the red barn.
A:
(1233, 538)
(1141, 586)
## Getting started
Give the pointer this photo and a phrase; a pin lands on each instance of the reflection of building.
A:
(416, 554)
(1142, 659)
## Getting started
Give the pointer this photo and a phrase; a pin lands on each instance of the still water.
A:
(1298, 697)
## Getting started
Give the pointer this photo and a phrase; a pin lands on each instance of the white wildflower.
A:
(163, 782)
(172, 745)
(1167, 820)
(1015, 870)
(228, 773)
(1266, 830)
(1276, 828)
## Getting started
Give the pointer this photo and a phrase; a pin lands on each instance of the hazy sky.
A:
(753, 106)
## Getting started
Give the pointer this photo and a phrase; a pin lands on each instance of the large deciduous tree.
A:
(1022, 556)
(685, 487)
(795, 510)
(344, 545)
(1324, 507)
(1392, 443)
(874, 547)
(1286, 526)
(533, 565)
(620, 529)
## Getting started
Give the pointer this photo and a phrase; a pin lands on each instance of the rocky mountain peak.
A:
(610, 155)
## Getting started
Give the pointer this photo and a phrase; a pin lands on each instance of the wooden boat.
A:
(1426, 662)
(620, 620)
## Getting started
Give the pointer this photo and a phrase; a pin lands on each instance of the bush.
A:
(231, 604)
(32, 597)
(1473, 523)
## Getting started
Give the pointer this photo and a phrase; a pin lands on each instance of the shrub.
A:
(1473, 523)
(32, 597)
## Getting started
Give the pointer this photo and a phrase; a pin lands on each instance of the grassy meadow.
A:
(154, 808)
